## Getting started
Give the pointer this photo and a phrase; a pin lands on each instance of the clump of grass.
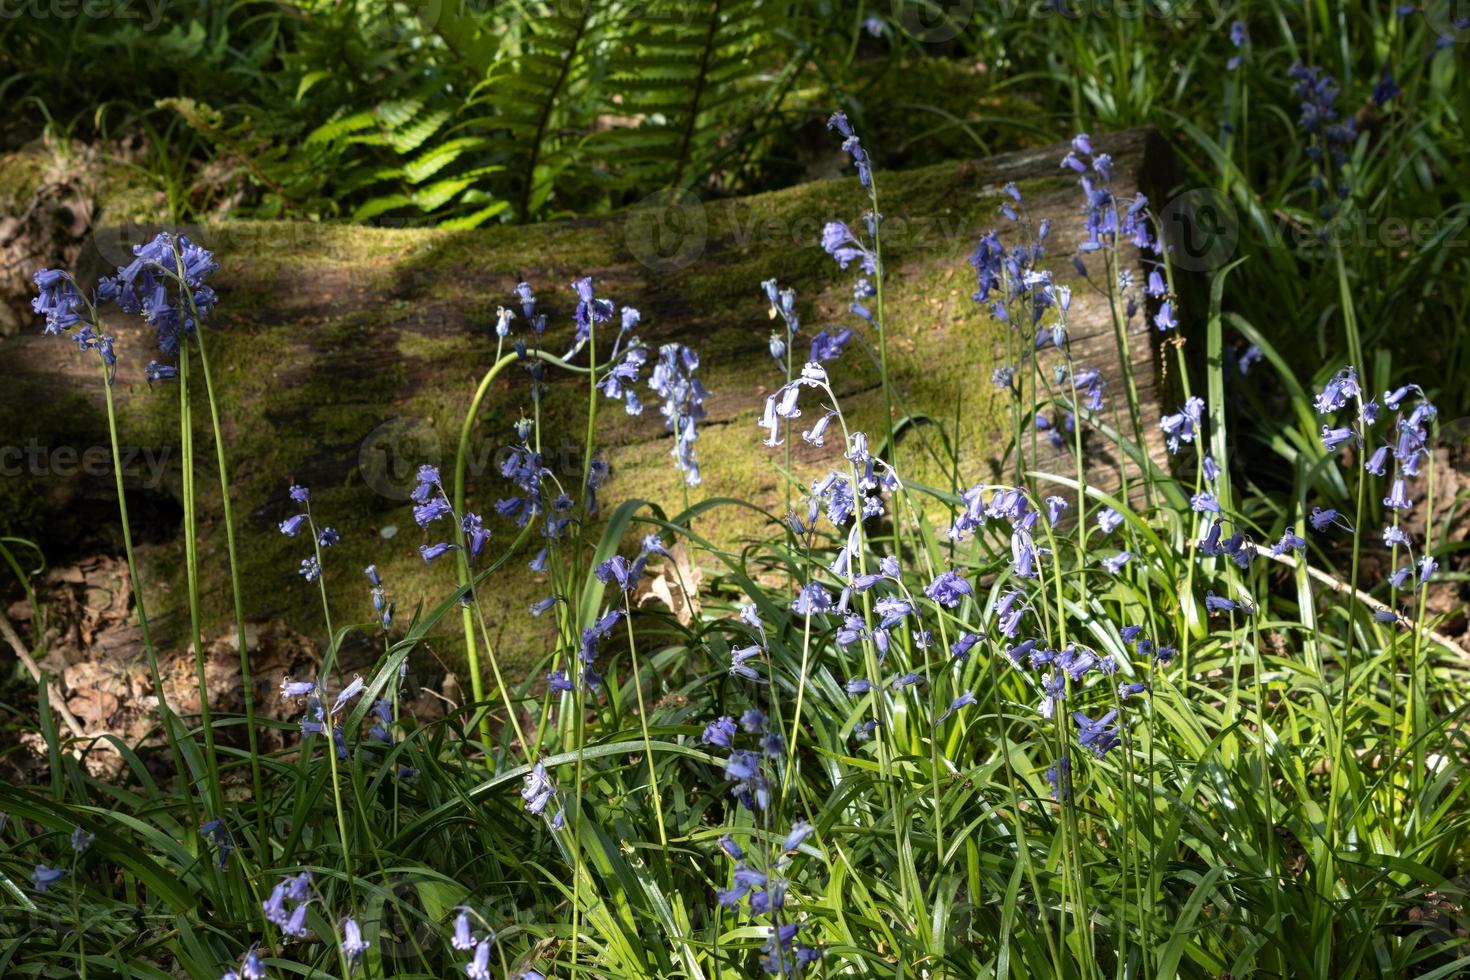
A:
(1033, 728)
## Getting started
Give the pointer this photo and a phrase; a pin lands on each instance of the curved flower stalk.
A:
(616, 377)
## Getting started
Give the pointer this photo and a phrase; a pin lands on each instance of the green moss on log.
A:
(326, 334)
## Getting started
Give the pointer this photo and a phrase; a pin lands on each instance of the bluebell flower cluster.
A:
(682, 395)
(1010, 283)
(581, 672)
(251, 969)
(1406, 444)
(463, 939)
(166, 283)
(762, 885)
(538, 793)
(852, 146)
(311, 567)
(287, 905)
(1318, 92)
(783, 304)
(1240, 40)
(381, 604)
(216, 833)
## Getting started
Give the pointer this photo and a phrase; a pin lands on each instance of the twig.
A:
(58, 703)
(1337, 585)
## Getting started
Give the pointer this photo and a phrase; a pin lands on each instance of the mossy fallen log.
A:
(345, 356)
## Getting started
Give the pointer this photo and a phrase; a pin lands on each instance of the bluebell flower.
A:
(738, 665)
(619, 569)
(1165, 319)
(964, 700)
(537, 608)
(291, 526)
(81, 840)
(1394, 537)
(1215, 603)
(1322, 518)
(1182, 426)
(591, 310)
(463, 939)
(1290, 541)
(1241, 40)
(800, 831)
(1398, 498)
(296, 689)
(253, 968)
(1099, 735)
(858, 685)
(812, 600)
(1075, 663)
(1108, 520)
(1059, 774)
(829, 345)
(892, 610)
(720, 732)
(751, 788)
(1025, 558)
(948, 589)
(538, 789)
(1342, 389)
(157, 372)
(295, 926)
(310, 568)
(1427, 567)
(353, 945)
(839, 242)
(1318, 93)
(683, 398)
(478, 968)
(1334, 437)
(1248, 357)
(1127, 690)
(853, 147)
(431, 510)
(1204, 502)
(328, 537)
(1115, 563)
(430, 552)
(43, 877)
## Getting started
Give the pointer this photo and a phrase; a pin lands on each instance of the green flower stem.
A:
(191, 574)
(165, 713)
(461, 463)
(653, 790)
(246, 678)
